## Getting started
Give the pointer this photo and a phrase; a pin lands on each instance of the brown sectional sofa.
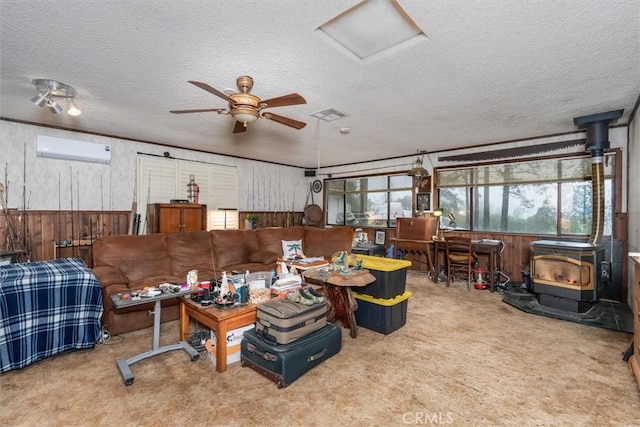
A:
(127, 262)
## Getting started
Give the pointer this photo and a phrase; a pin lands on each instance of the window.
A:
(159, 180)
(546, 196)
(374, 201)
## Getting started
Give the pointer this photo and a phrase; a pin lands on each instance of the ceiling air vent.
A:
(328, 115)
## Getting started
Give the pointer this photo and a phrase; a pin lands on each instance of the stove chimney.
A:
(597, 126)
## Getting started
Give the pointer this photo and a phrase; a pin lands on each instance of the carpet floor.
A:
(464, 358)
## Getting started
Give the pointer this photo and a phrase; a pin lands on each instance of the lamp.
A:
(72, 108)
(417, 170)
(53, 106)
(41, 98)
(452, 221)
(244, 106)
(244, 114)
(47, 89)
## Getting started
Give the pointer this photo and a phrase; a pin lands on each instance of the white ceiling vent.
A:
(68, 149)
(328, 115)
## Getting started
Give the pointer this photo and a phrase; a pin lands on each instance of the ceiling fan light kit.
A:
(246, 108)
(47, 89)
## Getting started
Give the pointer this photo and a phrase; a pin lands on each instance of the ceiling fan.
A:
(246, 108)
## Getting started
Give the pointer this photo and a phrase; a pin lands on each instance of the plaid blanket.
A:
(47, 308)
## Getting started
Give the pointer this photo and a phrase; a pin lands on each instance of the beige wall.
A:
(261, 186)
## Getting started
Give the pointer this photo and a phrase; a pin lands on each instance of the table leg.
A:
(342, 305)
(492, 270)
(124, 366)
(352, 306)
(184, 322)
(221, 347)
(431, 264)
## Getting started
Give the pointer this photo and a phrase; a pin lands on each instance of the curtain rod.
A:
(166, 155)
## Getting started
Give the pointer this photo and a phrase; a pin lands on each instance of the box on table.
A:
(382, 315)
(234, 338)
(390, 274)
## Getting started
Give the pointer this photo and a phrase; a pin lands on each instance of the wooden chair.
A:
(460, 258)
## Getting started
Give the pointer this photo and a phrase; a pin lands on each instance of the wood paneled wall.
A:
(60, 234)
(515, 256)
(273, 219)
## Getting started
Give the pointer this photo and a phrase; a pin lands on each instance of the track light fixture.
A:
(47, 89)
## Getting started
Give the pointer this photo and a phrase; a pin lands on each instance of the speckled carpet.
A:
(464, 358)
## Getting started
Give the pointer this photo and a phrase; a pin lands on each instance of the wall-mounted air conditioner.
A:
(68, 149)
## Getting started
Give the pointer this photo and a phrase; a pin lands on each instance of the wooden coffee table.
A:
(220, 319)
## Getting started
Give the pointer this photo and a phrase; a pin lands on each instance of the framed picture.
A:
(379, 238)
(424, 184)
(423, 202)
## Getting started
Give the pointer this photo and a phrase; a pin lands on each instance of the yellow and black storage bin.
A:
(382, 315)
(390, 274)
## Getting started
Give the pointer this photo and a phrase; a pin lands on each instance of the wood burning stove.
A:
(568, 275)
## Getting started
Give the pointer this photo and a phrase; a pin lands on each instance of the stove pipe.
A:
(597, 126)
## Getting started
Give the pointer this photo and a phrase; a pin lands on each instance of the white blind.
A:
(531, 171)
(160, 180)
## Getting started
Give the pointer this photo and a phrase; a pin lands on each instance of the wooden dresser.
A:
(634, 360)
(172, 217)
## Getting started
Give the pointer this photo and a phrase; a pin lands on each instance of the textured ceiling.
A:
(488, 71)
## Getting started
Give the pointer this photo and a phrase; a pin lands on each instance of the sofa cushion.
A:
(108, 275)
(270, 239)
(325, 241)
(292, 248)
(252, 267)
(263, 257)
(136, 256)
(232, 247)
(191, 251)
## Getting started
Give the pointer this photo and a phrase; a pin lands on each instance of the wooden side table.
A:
(337, 291)
(220, 319)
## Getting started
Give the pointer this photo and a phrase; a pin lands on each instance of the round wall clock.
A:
(316, 186)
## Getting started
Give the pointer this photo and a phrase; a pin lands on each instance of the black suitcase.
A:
(285, 363)
(282, 321)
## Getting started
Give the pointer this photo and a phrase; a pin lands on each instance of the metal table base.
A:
(124, 364)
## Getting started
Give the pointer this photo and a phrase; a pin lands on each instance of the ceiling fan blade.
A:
(283, 101)
(239, 127)
(284, 120)
(206, 110)
(210, 89)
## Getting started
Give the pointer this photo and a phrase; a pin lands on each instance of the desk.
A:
(422, 249)
(124, 364)
(491, 248)
(219, 319)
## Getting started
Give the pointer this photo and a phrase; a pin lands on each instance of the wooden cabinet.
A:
(172, 217)
(634, 360)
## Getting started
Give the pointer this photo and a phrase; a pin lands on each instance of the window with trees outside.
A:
(374, 201)
(545, 196)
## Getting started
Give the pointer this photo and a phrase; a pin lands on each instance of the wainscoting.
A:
(49, 235)
(59, 234)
